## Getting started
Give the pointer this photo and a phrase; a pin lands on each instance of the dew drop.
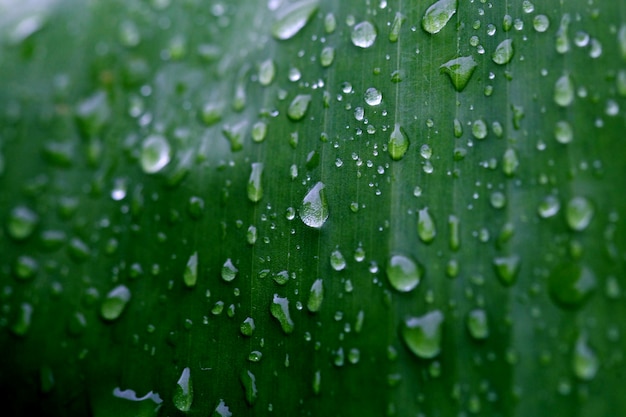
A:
(267, 71)
(229, 271)
(327, 56)
(396, 25)
(190, 276)
(280, 311)
(503, 53)
(549, 207)
(337, 260)
(426, 229)
(571, 285)
(292, 18)
(479, 129)
(510, 162)
(398, 143)
(255, 189)
(477, 324)
(438, 15)
(507, 268)
(247, 327)
(115, 302)
(578, 213)
(563, 132)
(585, 361)
(23, 320)
(453, 224)
(222, 410)
(460, 71)
(248, 383)
(155, 154)
(423, 334)
(364, 34)
(298, 107)
(373, 97)
(316, 296)
(22, 222)
(541, 23)
(404, 273)
(564, 91)
(314, 209)
(183, 392)
(259, 131)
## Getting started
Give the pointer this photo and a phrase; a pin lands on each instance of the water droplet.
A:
(541, 23)
(422, 335)
(337, 260)
(562, 39)
(255, 189)
(115, 302)
(585, 361)
(280, 311)
(129, 34)
(453, 224)
(247, 327)
(396, 25)
(426, 229)
(373, 97)
(222, 410)
(190, 276)
(564, 91)
(255, 356)
(229, 271)
(404, 273)
(327, 56)
(183, 392)
(316, 296)
(510, 162)
(549, 207)
(26, 27)
(46, 379)
(23, 320)
(281, 278)
(317, 382)
(22, 222)
(497, 200)
(155, 154)
(579, 212)
(93, 113)
(460, 71)
(504, 52)
(298, 107)
(25, 267)
(364, 34)
(438, 14)
(211, 113)
(330, 23)
(507, 22)
(267, 71)
(563, 132)
(477, 324)
(398, 143)
(507, 268)
(570, 285)
(479, 129)
(292, 18)
(314, 209)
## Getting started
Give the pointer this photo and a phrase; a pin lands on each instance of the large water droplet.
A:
(479, 129)
(292, 18)
(549, 207)
(247, 327)
(298, 107)
(507, 268)
(364, 34)
(423, 335)
(564, 91)
(190, 276)
(373, 97)
(155, 154)
(280, 311)
(504, 52)
(571, 285)
(316, 296)
(22, 222)
(585, 361)
(222, 410)
(248, 382)
(115, 302)
(398, 143)
(460, 71)
(578, 213)
(477, 324)
(183, 392)
(255, 189)
(337, 260)
(438, 14)
(314, 209)
(541, 23)
(426, 229)
(404, 273)
(229, 271)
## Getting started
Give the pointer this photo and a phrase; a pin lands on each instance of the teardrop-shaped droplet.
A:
(455, 240)
(479, 129)
(314, 209)
(562, 39)
(571, 285)
(115, 302)
(292, 18)
(255, 188)
(155, 154)
(396, 25)
(438, 15)
(398, 143)
(280, 311)
(564, 91)
(247, 327)
(364, 34)
(507, 268)
(504, 52)
(426, 229)
(337, 260)
(327, 56)
(267, 71)
(549, 207)
(459, 70)
(585, 361)
(248, 382)
(578, 213)
(190, 276)
(423, 334)
(298, 107)
(229, 271)
(316, 296)
(403, 273)
(477, 324)
(183, 392)
(563, 132)
(23, 320)
(22, 222)
(510, 162)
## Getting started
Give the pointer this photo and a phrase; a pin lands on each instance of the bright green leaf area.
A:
(197, 214)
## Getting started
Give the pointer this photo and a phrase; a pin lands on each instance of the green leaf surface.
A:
(349, 208)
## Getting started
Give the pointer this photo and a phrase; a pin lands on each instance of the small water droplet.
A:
(364, 34)
(541, 23)
(549, 207)
(578, 213)
(510, 162)
(292, 18)
(404, 273)
(396, 25)
(570, 285)
(247, 327)
(23, 319)
(564, 91)
(563, 132)
(316, 296)
(22, 222)
(327, 56)
(479, 129)
(255, 356)
(255, 189)
(330, 23)
(423, 334)
(453, 223)
(314, 209)
(585, 361)
(229, 271)
(259, 131)
(280, 311)
(155, 154)
(460, 71)
(398, 143)
(477, 324)
(183, 392)
(507, 268)
(190, 276)
(504, 52)
(298, 107)
(438, 14)
(337, 260)
(267, 71)
(507, 22)
(426, 229)
(317, 382)
(222, 410)
(115, 302)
